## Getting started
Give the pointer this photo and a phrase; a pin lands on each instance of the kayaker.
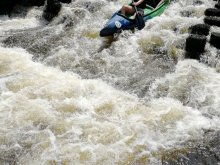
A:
(141, 5)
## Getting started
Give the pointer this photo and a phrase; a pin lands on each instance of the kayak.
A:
(119, 22)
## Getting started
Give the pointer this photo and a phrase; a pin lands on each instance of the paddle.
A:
(139, 19)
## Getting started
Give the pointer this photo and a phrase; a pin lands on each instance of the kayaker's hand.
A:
(134, 3)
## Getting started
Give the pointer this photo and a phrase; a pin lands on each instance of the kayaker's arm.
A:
(138, 3)
(162, 1)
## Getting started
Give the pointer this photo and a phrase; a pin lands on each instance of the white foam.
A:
(92, 114)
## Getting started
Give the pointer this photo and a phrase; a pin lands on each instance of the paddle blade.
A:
(139, 21)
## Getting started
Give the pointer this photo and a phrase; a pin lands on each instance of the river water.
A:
(69, 96)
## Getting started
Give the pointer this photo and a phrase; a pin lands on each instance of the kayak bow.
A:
(119, 22)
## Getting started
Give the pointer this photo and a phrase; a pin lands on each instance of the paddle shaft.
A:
(139, 19)
(135, 8)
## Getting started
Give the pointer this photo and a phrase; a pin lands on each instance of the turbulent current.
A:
(69, 96)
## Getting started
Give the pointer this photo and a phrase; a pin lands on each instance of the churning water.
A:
(69, 96)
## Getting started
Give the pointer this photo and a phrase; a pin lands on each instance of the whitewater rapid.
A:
(69, 96)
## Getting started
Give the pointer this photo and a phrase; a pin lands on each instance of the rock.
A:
(52, 6)
(217, 5)
(37, 2)
(215, 39)
(6, 6)
(195, 45)
(65, 1)
(201, 29)
(212, 12)
(212, 21)
(52, 9)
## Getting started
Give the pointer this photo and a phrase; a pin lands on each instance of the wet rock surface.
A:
(52, 6)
